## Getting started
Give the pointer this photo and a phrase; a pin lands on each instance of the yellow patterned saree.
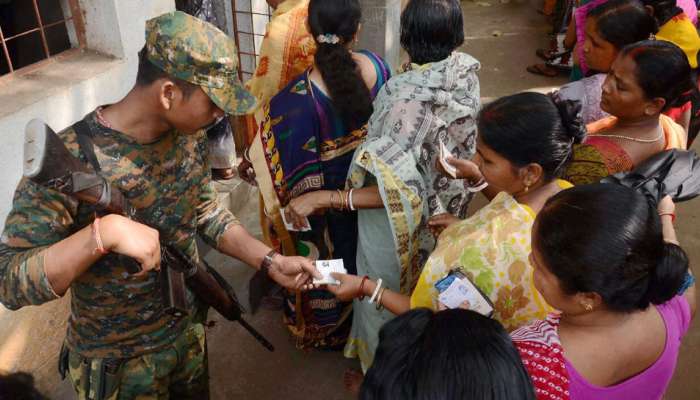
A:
(492, 247)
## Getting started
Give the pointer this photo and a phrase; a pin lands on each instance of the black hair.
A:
(348, 91)
(148, 73)
(19, 386)
(664, 10)
(662, 71)
(607, 238)
(431, 29)
(623, 22)
(449, 355)
(532, 127)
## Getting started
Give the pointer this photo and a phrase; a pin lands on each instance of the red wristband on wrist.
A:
(673, 216)
(361, 296)
(98, 239)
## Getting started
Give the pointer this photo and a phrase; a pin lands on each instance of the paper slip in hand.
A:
(444, 153)
(290, 226)
(462, 290)
(326, 267)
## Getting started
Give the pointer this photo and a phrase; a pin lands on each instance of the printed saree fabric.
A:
(543, 357)
(287, 50)
(589, 92)
(492, 247)
(599, 156)
(307, 146)
(413, 112)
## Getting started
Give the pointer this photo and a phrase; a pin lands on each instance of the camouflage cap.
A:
(196, 51)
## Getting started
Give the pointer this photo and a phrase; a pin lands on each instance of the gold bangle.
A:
(379, 305)
(340, 199)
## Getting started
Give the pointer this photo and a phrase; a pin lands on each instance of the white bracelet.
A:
(376, 291)
(478, 187)
(352, 207)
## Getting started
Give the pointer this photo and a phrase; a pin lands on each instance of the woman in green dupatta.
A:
(395, 185)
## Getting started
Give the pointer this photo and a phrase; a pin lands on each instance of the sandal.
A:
(542, 69)
(562, 62)
(550, 55)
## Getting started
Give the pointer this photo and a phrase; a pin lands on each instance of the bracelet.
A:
(478, 186)
(362, 286)
(98, 239)
(673, 215)
(342, 199)
(379, 305)
(246, 154)
(350, 204)
(376, 291)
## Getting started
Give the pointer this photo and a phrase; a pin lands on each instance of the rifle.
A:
(49, 163)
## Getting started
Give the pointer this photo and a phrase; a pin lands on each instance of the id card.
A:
(326, 267)
(290, 226)
(456, 288)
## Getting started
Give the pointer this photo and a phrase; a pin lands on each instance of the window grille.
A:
(249, 23)
(35, 30)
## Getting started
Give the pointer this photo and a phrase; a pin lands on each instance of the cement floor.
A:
(503, 35)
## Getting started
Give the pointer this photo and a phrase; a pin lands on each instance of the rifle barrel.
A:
(257, 335)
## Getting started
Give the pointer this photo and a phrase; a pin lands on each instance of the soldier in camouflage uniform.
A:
(151, 145)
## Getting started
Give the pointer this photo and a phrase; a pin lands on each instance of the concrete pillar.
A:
(380, 29)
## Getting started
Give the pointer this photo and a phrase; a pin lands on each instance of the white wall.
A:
(60, 93)
(64, 91)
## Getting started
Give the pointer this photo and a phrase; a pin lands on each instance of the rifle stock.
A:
(49, 163)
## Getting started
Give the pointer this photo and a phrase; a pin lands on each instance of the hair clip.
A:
(328, 38)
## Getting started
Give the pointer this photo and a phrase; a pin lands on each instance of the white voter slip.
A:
(326, 267)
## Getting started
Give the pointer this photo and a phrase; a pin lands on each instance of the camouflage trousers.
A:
(178, 371)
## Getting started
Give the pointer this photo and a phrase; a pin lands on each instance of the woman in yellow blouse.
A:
(524, 143)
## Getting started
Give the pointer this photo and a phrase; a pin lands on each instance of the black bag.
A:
(673, 172)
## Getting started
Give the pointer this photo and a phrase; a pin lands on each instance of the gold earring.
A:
(527, 188)
(587, 307)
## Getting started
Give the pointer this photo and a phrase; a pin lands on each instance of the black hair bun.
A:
(571, 117)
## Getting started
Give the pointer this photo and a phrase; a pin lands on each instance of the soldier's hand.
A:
(293, 272)
(124, 236)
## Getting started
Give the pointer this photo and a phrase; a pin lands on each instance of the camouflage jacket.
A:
(114, 314)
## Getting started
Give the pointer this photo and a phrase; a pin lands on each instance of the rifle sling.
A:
(87, 147)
